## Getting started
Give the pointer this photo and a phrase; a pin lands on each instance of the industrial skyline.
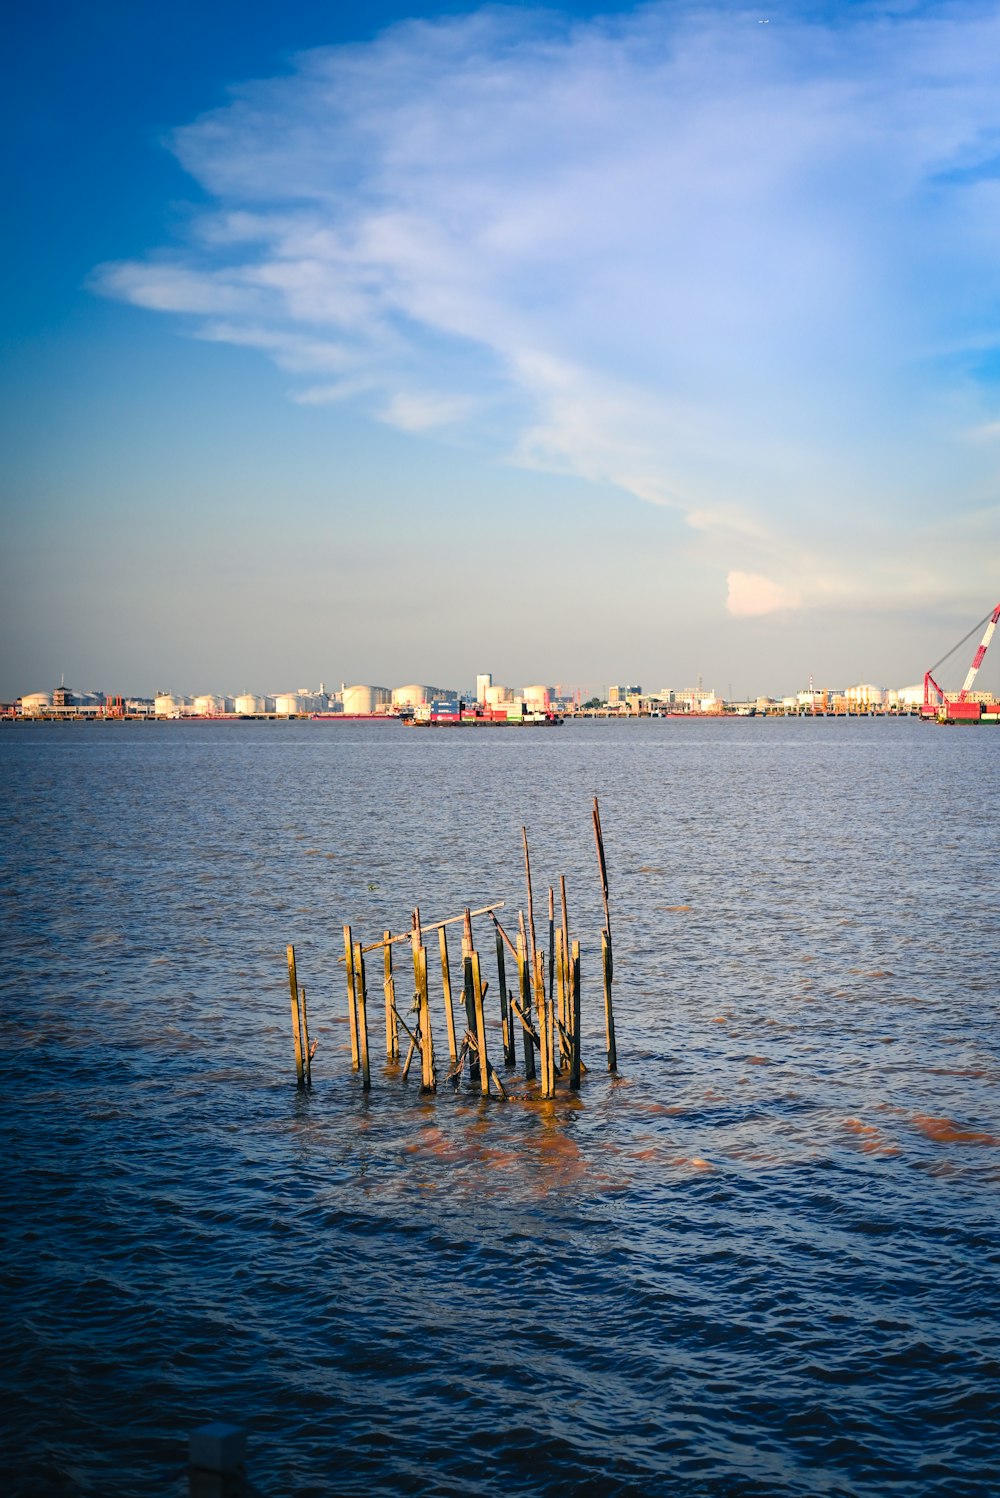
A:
(568, 337)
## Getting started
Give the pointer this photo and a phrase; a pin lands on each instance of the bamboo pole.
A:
(599, 839)
(307, 1053)
(531, 903)
(477, 993)
(575, 1062)
(429, 1081)
(562, 990)
(352, 1004)
(361, 999)
(552, 942)
(506, 1021)
(544, 1027)
(524, 985)
(296, 1022)
(391, 1022)
(470, 994)
(414, 1042)
(529, 1029)
(432, 926)
(470, 1009)
(607, 951)
(449, 1012)
(607, 958)
(507, 941)
(568, 1017)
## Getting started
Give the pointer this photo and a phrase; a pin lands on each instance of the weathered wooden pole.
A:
(352, 1005)
(543, 1011)
(506, 1016)
(361, 1000)
(468, 993)
(607, 952)
(552, 942)
(429, 1082)
(391, 1022)
(449, 1012)
(524, 986)
(563, 1001)
(566, 948)
(296, 1020)
(531, 902)
(574, 1060)
(608, 963)
(304, 1029)
(477, 994)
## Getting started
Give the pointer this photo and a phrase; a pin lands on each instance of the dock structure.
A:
(544, 1009)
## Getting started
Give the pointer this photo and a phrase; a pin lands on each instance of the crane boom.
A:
(977, 659)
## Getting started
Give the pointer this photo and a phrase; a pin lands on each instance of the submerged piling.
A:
(293, 985)
(352, 1006)
(389, 985)
(428, 1080)
(361, 1002)
(307, 1050)
(575, 1061)
(449, 1013)
(607, 952)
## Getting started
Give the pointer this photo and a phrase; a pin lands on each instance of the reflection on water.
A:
(761, 1260)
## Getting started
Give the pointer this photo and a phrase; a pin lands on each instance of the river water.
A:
(763, 1259)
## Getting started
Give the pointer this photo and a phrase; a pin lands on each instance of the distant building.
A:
(619, 695)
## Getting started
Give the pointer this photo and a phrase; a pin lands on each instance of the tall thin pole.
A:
(607, 951)
(296, 1018)
(352, 1007)
(449, 1012)
(531, 902)
(391, 1022)
(361, 999)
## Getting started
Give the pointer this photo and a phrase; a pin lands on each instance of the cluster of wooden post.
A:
(545, 1008)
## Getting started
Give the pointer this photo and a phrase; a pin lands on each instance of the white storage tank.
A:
(248, 705)
(483, 684)
(35, 702)
(208, 705)
(166, 705)
(287, 704)
(864, 695)
(415, 695)
(364, 700)
(537, 696)
(496, 696)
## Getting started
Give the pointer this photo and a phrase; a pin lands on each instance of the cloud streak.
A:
(751, 273)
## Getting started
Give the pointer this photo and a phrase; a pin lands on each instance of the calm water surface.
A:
(762, 1260)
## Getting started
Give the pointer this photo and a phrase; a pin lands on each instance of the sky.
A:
(388, 343)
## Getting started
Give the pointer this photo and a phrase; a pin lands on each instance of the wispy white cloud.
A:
(752, 273)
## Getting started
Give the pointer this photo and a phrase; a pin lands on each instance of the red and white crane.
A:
(931, 707)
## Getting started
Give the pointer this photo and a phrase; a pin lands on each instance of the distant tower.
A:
(482, 682)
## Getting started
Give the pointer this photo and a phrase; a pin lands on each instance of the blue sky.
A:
(385, 343)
